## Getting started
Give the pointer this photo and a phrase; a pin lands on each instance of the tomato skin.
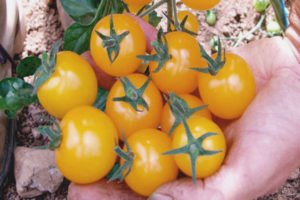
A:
(140, 3)
(86, 154)
(201, 4)
(134, 9)
(229, 92)
(191, 23)
(131, 46)
(72, 84)
(150, 168)
(168, 119)
(205, 165)
(127, 118)
(176, 75)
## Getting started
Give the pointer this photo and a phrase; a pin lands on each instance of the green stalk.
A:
(170, 13)
(152, 8)
(176, 23)
(258, 26)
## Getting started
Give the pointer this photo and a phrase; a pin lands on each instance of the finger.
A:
(101, 190)
(105, 81)
(149, 30)
(185, 189)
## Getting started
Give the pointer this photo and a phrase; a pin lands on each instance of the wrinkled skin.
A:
(263, 144)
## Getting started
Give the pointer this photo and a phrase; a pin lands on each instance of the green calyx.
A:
(53, 134)
(214, 65)
(194, 148)
(180, 109)
(162, 52)
(133, 95)
(112, 42)
(124, 169)
(46, 69)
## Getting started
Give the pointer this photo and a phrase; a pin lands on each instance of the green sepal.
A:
(112, 42)
(214, 65)
(53, 134)
(180, 26)
(100, 102)
(162, 52)
(127, 165)
(180, 109)
(15, 93)
(28, 66)
(133, 95)
(194, 148)
(46, 69)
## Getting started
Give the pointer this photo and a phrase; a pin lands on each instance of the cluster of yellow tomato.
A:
(135, 104)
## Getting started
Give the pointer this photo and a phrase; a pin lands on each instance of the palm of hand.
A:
(264, 140)
(262, 143)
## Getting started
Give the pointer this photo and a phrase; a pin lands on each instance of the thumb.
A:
(185, 189)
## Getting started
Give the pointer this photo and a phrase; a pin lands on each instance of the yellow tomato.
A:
(206, 165)
(201, 4)
(72, 84)
(131, 45)
(176, 75)
(229, 93)
(86, 154)
(191, 23)
(128, 119)
(150, 168)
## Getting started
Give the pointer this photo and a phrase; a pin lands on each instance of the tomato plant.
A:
(201, 4)
(73, 83)
(85, 153)
(115, 43)
(180, 52)
(168, 119)
(134, 103)
(150, 168)
(230, 89)
(209, 149)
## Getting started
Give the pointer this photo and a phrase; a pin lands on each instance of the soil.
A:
(235, 18)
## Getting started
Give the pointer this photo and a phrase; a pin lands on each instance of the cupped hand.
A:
(263, 145)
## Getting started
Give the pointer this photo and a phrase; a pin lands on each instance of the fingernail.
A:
(157, 196)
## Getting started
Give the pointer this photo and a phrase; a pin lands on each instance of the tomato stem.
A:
(152, 8)
(258, 26)
(170, 13)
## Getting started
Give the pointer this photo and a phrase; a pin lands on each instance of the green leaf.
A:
(14, 95)
(101, 99)
(77, 38)
(154, 19)
(82, 11)
(28, 66)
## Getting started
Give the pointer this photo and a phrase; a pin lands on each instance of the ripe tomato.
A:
(150, 168)
(205, 165)
(191, 23)
(229, 92)
(86, 154)
(128, 119)
(140, 3)
(131, 45)
(168, 119)
(176, 75)
(201, 4)
(72, 84)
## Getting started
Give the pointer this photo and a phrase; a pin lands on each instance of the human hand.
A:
(263, 143)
